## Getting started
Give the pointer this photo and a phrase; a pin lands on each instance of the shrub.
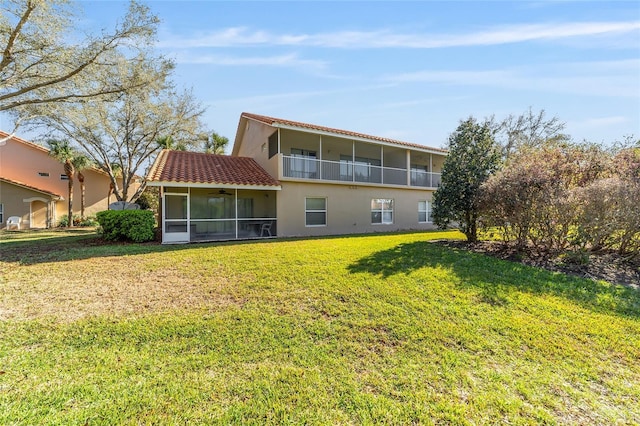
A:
(561, 197)
(149, 199)
(64, 221)
(535, 200)
(127, 225)
(77, 221)
(88, 221)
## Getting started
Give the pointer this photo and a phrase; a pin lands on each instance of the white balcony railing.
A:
(342, 171)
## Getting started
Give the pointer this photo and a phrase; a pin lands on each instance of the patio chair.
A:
(13, 222)
(265, 228)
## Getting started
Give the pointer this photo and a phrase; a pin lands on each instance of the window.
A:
(273, 144)
(424, 212)
(64, 177)
(315, 212)
(43, 174)
(381, 211)
(1, 214)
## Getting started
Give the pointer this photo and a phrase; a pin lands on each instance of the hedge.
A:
(127, 225)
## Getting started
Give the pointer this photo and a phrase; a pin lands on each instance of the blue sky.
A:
(405, 70)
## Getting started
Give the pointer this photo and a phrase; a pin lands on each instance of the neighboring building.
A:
(34, 187)
(309, 181)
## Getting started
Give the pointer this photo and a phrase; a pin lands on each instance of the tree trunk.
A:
(471, 228)
(82, 194)
(68, 170)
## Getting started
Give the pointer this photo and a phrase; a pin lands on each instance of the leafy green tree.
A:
(473, 156)
(42, 65)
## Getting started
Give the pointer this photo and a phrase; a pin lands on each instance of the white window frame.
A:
(1, 214)
(382, 210)
(307, 210)
(426, 211)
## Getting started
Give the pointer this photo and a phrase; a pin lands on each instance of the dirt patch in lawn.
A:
(42, 285)
(607, 266)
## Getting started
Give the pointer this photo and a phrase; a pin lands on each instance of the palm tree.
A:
(81, 162)
(64, 152)
(167, 142)
(215, 144)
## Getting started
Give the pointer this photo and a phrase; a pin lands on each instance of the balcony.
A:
(342, 171)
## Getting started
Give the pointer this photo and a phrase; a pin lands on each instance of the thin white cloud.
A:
(601, 122)
(613, 79)
(288, 60)
(243, 36)
(288, 96)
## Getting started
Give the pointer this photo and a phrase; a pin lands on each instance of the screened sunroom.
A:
(206, 197)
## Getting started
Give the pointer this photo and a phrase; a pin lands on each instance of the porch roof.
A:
(198, 169)
(53, 195)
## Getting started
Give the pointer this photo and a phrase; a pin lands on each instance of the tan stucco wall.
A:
(22, 162)
(12, 198)
(348, 208)
(255, 144)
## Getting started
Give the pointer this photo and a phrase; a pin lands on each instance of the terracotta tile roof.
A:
(275, 121)
(33, 188)
(197, 167)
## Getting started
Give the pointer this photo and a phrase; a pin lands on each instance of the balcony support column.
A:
(353, 161)
(408, 167)
(320, 164)
(431, 170)
(381, 163)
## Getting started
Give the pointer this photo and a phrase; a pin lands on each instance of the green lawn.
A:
(376, 329)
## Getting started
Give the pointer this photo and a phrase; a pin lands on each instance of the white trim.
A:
(325, 211)
(179, 237)
(213, 185)
(382, 211)
(28, 200)
(427, 212)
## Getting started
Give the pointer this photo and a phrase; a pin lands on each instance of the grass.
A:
(384, 329)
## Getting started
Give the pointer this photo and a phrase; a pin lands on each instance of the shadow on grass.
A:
(495, 278)
(88, 245)
(33, 247)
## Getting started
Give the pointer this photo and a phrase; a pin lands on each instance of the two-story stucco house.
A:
(34, 187)
(286, 178)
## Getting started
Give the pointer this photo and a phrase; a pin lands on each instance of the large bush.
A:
(568, 196)
(127, 225)
(609, 215)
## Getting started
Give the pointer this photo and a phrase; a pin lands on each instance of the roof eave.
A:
(213, 185)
